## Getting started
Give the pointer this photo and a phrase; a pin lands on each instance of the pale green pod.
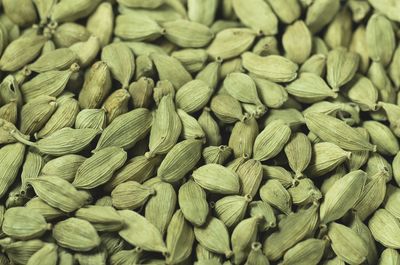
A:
(242, 87)
(86, 51)
(194, 60)
(231, 42)
(193, 203)
(310, 88)
(341, 67)
(217, 179)
(59, 59)
(10, 90)
(151, 4)
(64, 116)
(143, 48)
(359, 45)
(221, 24)
(67, 34)
(276, 195)
(379, 77)
(161, 206)
(139, 169)
(279, 173)
(103, 218)
(202, 11)
(320, 13)
(271, 94)
(180, 239)
(166, 127)
(231, 66)
(19, 252)
(273, 67)
(390, 257)
(76, 234)
(104, 201)
(203, 254)
(187, 34)
(363, 231)
(347, 244)
(11, 160)
(385, 228)
(112, 242)
(21, 12)
(210, 127)
(99, 168)
(338, 33)
(210, 74)
(72, 141)
(342, 196)
(309, 251)
(377, 165)
(243, 136)
(214, 236)
(325, 158)
(271, 140)
(358, 158)
(191, 129)
(315, 64)
(9, 112)
(20, 52)
(393, 115)
(256, 256)
(32, 168)
(292, 229)
(263, 209)
(291, 117)
(36, 113)
(297, 42)
(380, 39)
(59, 193)
(72, 10)
(47, 255)
(91, 119)
(96, 87)
(298, 151)
(363, 92)
(101, 23)
(144, 67)
(126, 257)
(394, 67)
(227, 108)
(250, 174)
(171, 69)
(216, 154)
(130, 195)
(305, 192)
(166, 12)
(338, 132)
(139, 232)
(243, 235)
(126, 130)
(319, 46)
(193, 96)
(257, 15)
(287, 10)
(382, 136)
(48, 212)
(231, 209)
(267, 45)
(116, 104)
(120, 61)
(97, 256)
(23, 224)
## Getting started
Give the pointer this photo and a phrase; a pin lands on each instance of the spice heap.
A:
(199, 132)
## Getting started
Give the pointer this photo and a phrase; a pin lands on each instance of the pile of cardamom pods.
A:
(207, 132)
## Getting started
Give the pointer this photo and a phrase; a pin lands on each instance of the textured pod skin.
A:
(193, 203)
(11, 160)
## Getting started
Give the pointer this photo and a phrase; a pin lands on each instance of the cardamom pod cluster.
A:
(206, 132)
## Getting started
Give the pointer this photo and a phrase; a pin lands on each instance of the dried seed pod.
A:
(305, 192)
(47, 255)
(341, 67)
(179, 230)
(276, 195)
(141, 92)
(91, 119)
(264, 210)
(227, 108)
(256, 256)
(363, 231)
(187, 34)
(11, 160)
(346, 244)
(121, 62)
(101, 23)
(193, 203)
(70, 33)
(103, 218)
(180, 160)
(280, 174)
(389, 256)
(385, 228)
(217, 179)
(342, 196)
(231, 209)
(243, 136)
(48, 212)
(271, 140)
(216, 154)
(130, 195)
(96, 87)
(70, 11)
(19, 252)
(20, 223)
(139, 232)
(210, 127)
(161, 206)
(86, 51)
(59, 59)
(309, 251)
(193, 96)
(271, 94)
(292, 229)
(76, 234)
(268, 67)
(383, 137)
(137, 28)
(320, 13)
(298, 151)
(116, 104)
(297, 42)
(191, 128)
(194, 60)
(214, 236)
